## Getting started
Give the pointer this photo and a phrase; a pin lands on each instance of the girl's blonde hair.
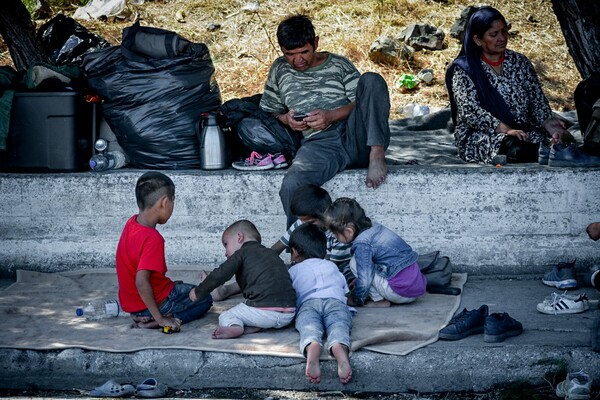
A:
(345, 212)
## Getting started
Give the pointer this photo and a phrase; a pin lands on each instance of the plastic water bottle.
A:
(109, 160)
(100, 309)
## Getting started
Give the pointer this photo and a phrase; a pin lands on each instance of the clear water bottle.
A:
(100, 309)
(109, 160)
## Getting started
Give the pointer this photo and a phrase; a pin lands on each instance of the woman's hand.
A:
(556, 128)
(519, 134)
(507, 130)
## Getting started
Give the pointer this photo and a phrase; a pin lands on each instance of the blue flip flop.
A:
(150, 388)
(113, 389)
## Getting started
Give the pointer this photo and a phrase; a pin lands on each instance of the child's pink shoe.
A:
(279, 160)
(255, 162)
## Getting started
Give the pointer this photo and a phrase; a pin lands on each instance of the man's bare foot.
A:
(340, 352)
(377, 170)
(593, 231)
(228, 332)
(377, 304)
(313, 369)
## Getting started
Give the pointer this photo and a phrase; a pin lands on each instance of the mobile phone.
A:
(300, 117)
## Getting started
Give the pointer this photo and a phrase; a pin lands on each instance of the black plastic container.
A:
(49, 131)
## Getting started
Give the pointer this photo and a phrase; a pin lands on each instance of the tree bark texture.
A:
(18, 32)
(580, 24)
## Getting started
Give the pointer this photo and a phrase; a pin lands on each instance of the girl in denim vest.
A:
(385, 266)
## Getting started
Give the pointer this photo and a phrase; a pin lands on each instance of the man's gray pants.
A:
(344, 144)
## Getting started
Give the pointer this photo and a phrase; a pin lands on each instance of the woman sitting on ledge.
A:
(497, 103)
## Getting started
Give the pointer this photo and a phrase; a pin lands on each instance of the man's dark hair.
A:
(295, 32)
(310, 201)
(309, 241)
(151, 187)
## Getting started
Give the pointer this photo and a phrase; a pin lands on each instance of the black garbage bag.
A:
(65, 41)
(154, 87)
(258, 130)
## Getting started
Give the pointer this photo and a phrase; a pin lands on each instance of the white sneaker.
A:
(577, 386)
(564, 304)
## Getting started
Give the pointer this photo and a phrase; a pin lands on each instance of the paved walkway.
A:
(549, 345)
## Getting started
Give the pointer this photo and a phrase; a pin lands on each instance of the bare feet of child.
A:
(228, 332)
(313, 369)
(377, 304)
(144, 322)
(340, 352)
(377, 170)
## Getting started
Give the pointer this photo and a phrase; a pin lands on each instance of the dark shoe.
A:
(562, 276)
(571, 156)
(465, 324)
(498, 327)
(544, 154)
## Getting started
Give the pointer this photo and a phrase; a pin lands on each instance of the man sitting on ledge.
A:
(342, 115)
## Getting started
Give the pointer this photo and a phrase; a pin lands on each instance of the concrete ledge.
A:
(488, 220)
(432, 369)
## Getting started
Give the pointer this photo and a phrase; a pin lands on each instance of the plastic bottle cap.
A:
(93, 163)
(79, 312)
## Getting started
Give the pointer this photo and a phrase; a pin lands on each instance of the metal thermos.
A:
(213, 152)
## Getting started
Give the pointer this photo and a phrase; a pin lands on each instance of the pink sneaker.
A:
(255, 162)
(279, 160)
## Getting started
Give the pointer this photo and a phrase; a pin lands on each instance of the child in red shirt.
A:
(152, 299)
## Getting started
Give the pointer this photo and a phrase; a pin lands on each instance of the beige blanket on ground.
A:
(38, 312)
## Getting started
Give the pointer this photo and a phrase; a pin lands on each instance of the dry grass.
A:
(245, 45)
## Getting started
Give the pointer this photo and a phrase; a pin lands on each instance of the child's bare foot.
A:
(340, 352)
(313, 369)
(147, 325)
(202, 275)
(377, 170)
(228, 332)
(377, 304)
(137, 318)
(251, 329)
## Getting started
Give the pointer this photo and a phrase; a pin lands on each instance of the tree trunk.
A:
(580, 24)
(18, 32)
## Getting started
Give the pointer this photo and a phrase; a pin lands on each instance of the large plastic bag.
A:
(258, 130)
(66, 41)
(153, 92)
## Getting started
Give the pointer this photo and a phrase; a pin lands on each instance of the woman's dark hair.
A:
(480, 22)
(295, 32)
(151, 186)
(469, 60)
(310, 201)
(309, 241)
(346, 211)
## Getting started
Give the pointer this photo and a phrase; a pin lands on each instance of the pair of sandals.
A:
(150, 388)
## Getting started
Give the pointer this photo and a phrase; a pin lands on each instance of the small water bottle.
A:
(100, 309)
(109, 160)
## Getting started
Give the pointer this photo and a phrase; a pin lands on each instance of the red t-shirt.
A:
(141, 248)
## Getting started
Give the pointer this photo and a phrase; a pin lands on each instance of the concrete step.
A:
(488, 220)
